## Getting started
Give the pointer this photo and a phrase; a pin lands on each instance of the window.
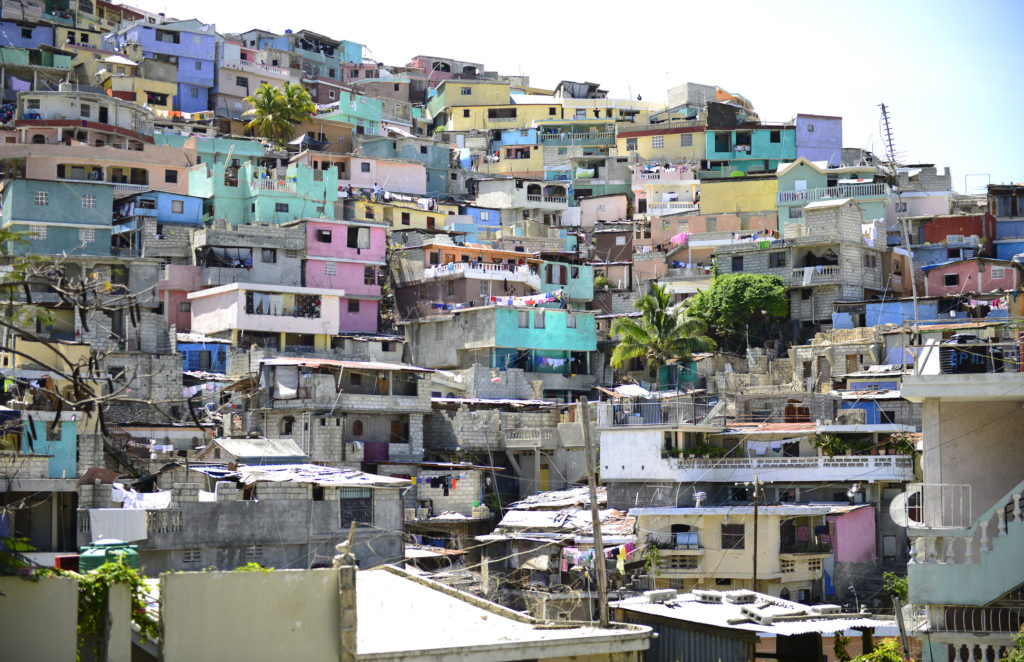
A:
(630, 144)
(185, 307)
(42, 198)
(776, 260)
(485, 216)
(356, 505)
(901, 207)
(423, 149)
(86, 235)
(37, 232)
(870, 261)
(885, 416)
(775, 137)
(191, 556)
(810, 128)
(524, 319)
(795, 212)
(451, 288)
(269, 255)
(357, 426)
(484, 293)
(177, 206)
(538, 319)
(330, 269)
(26, 33)
(686, 140)
(32, 104)
(195, 92)
(254, 552)
(86, 110)
(323, 236)
(737, 263)
(396, 87)
(364, 166)
(805, 294)
(196, 40)
(620, 240)
(369, 275)
(951, 280)
(89, 201)
(466, 91)
(406, 218)
(732, 536)
(997, 273)
(353, 305)
(552, 111)
(570, 320)
(330, 94)
(171, 176)
(465, 112)
(241, 81)
(562, 151)
(657, 142)
(281, 206)
(711, 224)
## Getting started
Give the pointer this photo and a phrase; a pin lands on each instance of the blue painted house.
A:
(191, 44)
(25, 35)
(59, 440)
(819, 138)
(754, 148)
(54, 218)
(200, 353)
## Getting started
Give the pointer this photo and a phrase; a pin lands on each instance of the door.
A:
(103, 115)
(396, 433)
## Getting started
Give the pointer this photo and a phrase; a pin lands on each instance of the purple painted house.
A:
(819, 138)
(347, 255)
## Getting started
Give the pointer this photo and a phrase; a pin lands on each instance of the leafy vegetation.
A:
(1017, 653)
(888, 650)
(737, 301)
(895, 585)
(660, 334)
(275, 113)
(93, 591)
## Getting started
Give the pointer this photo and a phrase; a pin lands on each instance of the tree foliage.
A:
(1017, 653)
(661, 333)
(895, 585)
(275, 113)
(736, 300)
(888, 650)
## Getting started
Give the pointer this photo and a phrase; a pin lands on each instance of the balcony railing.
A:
(597, 138)
(805, 547)
(663, 208)
(652, 413)
(834, 193)
(485, 271)
(279, 185)
(502, 119)
(529, 438)
(815, 275)
(938, 506)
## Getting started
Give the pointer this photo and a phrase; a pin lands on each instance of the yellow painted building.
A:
(618, 109)
(500, 116)
(67, 37)
(403, 215)
(662, 145)
(517, 160)
(738, 194)
(55, 356)
(156, 94)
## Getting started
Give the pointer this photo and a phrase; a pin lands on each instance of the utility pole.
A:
(595, 514)
(757, 498)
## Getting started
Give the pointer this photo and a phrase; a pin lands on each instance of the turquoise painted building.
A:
(365, 113)
(560, 344)
(435, 157)
(210, 150)
(576, 280)
(759, 149)
(59, 441)
(54, 218)
(802, 182)
(244, 194)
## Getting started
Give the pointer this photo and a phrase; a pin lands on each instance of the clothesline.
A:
(586, 558)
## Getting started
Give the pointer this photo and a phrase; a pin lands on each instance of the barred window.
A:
(356, 505)
(686, 140)
(192, 556)
(657, 142)
(330, 269)
(37, 232)
(732, 536)
(86, 235)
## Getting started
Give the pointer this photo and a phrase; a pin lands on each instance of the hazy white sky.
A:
(951, 72)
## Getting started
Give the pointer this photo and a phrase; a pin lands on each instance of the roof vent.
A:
(742, 597)
(661, 595)
(708, 597)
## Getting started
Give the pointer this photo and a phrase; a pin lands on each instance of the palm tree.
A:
(300, 104)
(660, 333)
(270, 113)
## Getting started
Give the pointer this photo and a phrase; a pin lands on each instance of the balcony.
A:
(546, 198)
(666, 208)
(667, 414)
(895, 468)
(275, 185)
(855, 191)
(256, 67)
(484, 271)
(530, 439)
(956, 562)
(117, 186)
(818, 275)
(587, 139)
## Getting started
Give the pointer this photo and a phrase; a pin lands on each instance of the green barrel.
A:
(96, 554)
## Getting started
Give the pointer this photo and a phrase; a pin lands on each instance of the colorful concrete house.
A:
(1006, 206)
(515, 160)
(485, 105)
(519, 198)
(248, 193)
(238, 75)
(363, 112)
(478, 223)
(569, 274)
(190, 44)
(156, 224)
(25, 65)
(671, 141)
(803, 181)
(819, 138)
(736, 195)
(96, 119)
(438, 277)
(57, 218)
(435, 158)
(556, 347)
(280, 317)
(749, 148)
(22, 34)
(201, 353)
(400, 214)
(973, 276)
(346, 255)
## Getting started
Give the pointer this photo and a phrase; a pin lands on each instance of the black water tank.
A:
(967, 353)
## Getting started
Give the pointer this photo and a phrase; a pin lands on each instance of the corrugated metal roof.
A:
(351, 365)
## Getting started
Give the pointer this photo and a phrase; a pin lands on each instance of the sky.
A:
(951, 73)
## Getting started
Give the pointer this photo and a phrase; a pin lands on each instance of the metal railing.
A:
(834, 192)
(652, 413)
(938, 506)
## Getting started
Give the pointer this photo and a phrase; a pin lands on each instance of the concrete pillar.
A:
(345, 562)
(118, 642)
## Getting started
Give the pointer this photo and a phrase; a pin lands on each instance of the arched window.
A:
(357, 428)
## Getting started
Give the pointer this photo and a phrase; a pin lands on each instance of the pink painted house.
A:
(978, 275)
(177, 282)
(853, 535)
(347, 255)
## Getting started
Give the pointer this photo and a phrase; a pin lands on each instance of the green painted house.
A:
(757, 148)
(802, 182)
(54, 218)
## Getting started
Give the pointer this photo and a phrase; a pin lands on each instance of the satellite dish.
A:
(905, 508)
